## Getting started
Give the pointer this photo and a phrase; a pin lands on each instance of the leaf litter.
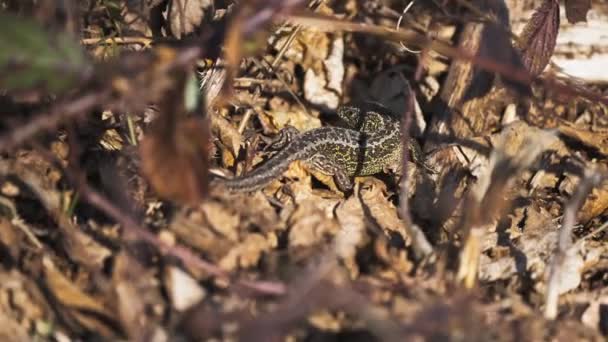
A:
(111, 230)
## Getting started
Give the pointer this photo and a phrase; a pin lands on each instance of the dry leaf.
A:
(247, 253)
(595, 204)
(228, 135)
(19, 307)
(222, 219)
(310, 225)
(595, 313)
(140, 303)
(323, 86)
(183, 290)
(352, 233)
(539, 37)
(594, 139)
(21, 302)
(295, 117)
(82, 307)
(82, 248)
(532, 248)
(185, 16)
(382, 211)
(176, 165)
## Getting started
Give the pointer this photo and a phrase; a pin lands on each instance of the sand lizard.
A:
(370, 142)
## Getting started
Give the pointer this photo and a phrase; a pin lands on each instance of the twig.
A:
(420, 244)
(398, 26)
(133, 229)
(18, 222)
(117, 40)
(564, 248)
(185, 255)
(414, 38)
(49, 121)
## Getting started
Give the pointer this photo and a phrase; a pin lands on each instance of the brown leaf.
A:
(177, 169)
(186, 16)
(174, 151)
(79, 306)
(576, 10)
(139, 302)
(248, 253)
(597, 139)
(595, 204)
(539, 37)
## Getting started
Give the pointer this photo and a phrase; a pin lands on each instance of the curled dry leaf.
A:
(294, 117)
(595, 204)
(352, 232)
(138, 299)
(311, 220)
(82, 248)
(22, 305)
(324, 87)
(516, 147)
(382, 211)
(597, 139)
(194, 230)
(185, 16)
(78, 305)
(247, 253)
(228, 135)
(257, 212)
(311, 223)
(222, 219)
(539, 37)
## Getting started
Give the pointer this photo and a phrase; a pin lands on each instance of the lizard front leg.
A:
(326, 166)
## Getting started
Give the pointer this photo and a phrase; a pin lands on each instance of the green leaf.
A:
(32, 57)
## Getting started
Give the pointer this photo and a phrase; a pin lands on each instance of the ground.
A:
(120, 117)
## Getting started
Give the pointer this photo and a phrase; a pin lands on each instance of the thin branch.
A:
(420, 244)
(412, 38)
(564, 245)
(50, 120)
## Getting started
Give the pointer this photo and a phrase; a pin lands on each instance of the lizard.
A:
(370, 143)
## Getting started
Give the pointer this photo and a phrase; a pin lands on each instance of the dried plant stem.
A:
(412, 38)
(565, 246)
(117, 40)
(180, 252)
(422, 248)
(52, 119)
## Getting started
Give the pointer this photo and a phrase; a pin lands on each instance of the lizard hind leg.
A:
(285, 136)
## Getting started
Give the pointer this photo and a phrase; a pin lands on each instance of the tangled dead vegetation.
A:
(119, 116)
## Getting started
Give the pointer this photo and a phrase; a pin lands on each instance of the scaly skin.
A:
(371, 143)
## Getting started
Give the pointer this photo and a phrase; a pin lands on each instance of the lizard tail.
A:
(258, 178)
